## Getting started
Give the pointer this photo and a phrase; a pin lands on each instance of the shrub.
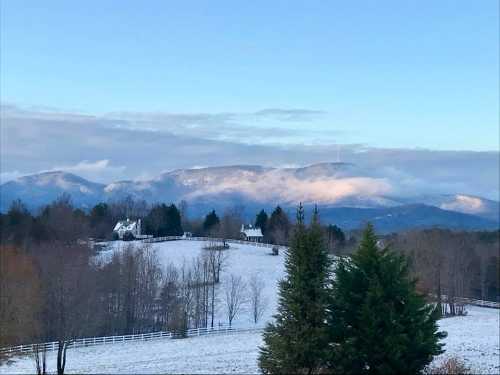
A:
(128, 236)
(451, 365)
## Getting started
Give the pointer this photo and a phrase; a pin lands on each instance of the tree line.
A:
(20, 227)
(450, 265)
(60, 292)
(53, 289)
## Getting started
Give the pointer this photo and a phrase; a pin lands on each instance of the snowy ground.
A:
(243, 260)
(474, 338)
(235, 353)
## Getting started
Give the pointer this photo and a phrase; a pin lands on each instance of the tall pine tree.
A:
(211, 222)
(261, 221)
(278, 227)
(378, 323)
(297, 341)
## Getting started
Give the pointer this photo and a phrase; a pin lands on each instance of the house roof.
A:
(125, 225)
(250, 231)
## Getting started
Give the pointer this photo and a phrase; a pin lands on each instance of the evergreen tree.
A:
(101, 221)
(163, 220)
(17, 223)
(173, 225)
(335, 239)
(278, 227)
(297, 341)
(336, 235)
(261, 221)
(99, 212)
(211, 222)
(378, 323)
(154, 220)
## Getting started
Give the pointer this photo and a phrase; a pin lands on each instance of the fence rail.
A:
(93, 341)
(478, 302)
(467, 301)
(206, 239)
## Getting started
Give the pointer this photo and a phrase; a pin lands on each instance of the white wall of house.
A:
(251, 234)
(132, 226)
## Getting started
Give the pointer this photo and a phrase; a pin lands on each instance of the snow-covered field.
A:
(242, 260)
(234, 353)
(474, 338)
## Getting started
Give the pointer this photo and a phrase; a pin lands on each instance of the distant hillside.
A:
(40, 189)
(346, 194)
(399, 218)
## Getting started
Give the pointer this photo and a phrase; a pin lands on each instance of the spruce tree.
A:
(378, 323)
(211, 222)
(261, 221)
(163, 220)
(173, 226)
(278, 227)
(296, 341)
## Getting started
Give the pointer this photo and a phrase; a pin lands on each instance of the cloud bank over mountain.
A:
(342, 192)
(139, 146)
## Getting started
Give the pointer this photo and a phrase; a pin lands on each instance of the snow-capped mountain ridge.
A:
(39, 189)
(329, 185)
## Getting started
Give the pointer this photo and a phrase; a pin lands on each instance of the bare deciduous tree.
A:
(256, 297)
(217, 258)
(40, 358)
(235, 296)
(231, 221)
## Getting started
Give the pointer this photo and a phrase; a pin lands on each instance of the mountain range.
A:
(345, 193)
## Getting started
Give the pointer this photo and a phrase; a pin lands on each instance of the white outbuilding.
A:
(251, 233)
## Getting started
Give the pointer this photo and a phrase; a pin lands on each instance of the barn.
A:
(251, 233)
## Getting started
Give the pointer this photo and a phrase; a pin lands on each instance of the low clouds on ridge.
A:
(129, 146)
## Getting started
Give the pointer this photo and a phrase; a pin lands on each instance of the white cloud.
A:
(9, 176)
(99, 170)
(464, 203)
(31, 142)
(277, 185)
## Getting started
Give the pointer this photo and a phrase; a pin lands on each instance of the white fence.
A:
(92, 341)
(84, 342)
(207, 239)
(478, 302)
(468, 301)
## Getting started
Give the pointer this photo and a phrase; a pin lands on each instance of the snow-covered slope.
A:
(474, 337)
(244, 260)
(43, 188)
(326, 184)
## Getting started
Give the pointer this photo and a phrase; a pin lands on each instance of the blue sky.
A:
(113, 90)
(384, 73)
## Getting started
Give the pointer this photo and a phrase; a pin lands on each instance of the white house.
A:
(130, 226)
(250, 233)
